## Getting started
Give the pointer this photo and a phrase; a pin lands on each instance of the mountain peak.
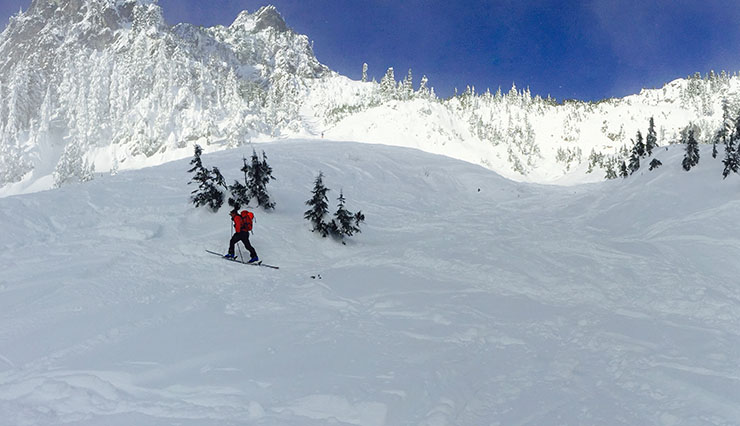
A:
(107, 12)
(269, 17)
(39, 6)
(265, 17)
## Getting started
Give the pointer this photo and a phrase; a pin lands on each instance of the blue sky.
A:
(569, 49)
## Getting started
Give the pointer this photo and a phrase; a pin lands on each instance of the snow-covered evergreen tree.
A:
(728, 122)
(388, 84)
(239, 191)
(654, 164)
(691, 158)
(651, 141)
(319, 207)
(408, 86)
(259, 174)
(423, 91)
(209, 182)
(239, 197)
(731, 162)
(732, 149)
(610, 172)
(114, 166)
(634, 161)
(623, 171)
(73, 166)
(345, 223)
(13, 165)
(364, 72)
(639, 147)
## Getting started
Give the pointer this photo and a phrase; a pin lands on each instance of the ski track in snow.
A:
(609, 304)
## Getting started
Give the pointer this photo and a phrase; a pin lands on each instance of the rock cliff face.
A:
(89, 76)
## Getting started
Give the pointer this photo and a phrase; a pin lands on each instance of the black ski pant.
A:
(243, 237)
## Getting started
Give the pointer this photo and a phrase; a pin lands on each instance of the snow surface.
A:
(606, 304)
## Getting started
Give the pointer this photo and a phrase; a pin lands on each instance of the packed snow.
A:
(467, 299)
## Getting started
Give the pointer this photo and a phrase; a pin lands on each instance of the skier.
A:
(242, 226)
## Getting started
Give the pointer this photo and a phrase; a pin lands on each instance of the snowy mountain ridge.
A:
(101, 85)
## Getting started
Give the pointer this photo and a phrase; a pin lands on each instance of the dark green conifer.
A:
(259, 174)
(345, 223)
(319, 207)
(639, 148)
(732, 153)
(209, 183)
(651, 141)
(691, 158)
(623, 172)
(655, 164)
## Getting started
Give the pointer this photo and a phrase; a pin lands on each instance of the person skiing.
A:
(242, 226)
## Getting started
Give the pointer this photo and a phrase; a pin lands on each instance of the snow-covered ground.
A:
(468, 299)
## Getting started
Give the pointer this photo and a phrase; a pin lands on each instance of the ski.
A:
(258, 263)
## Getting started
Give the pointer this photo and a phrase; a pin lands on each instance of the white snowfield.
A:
(467, 299)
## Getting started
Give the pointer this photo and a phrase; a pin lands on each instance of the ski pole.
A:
(231, 231)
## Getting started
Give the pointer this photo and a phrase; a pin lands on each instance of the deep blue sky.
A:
(588, 50)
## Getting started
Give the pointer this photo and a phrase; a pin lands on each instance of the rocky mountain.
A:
(92, 83)
(98, 85)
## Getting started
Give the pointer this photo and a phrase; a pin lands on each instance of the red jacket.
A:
(242, 223)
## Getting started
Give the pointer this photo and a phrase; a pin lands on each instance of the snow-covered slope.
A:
(467, 299)
(523, 137)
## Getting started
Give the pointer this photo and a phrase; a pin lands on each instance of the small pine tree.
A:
(623, 172)
(610, 172)
(345, 223)
(359, 218)
(639, 147)
(319, 207)
(655, 164)
(259, 174)
(423, 89)
(217, 177)
(724, 135)
(691, 158)
(408, 86)
(196, 162)
(651, 141)
(239, 195)
(634, 160)
(209, 181)
(731, 163)
(732, 153)
(239, 192)
(71, 166)
(388, 83)
(728, 124)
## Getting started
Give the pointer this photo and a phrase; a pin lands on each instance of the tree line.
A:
(212, 189)
(728, 135)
